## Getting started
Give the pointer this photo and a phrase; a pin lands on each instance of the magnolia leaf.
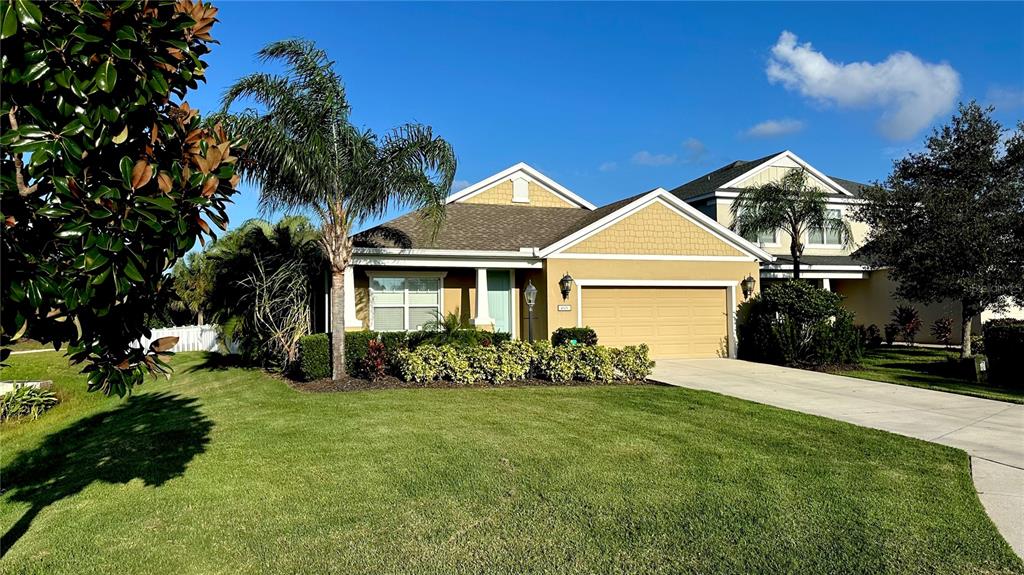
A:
(164, 182)
(210, 186)
(28, 13)
(121, 137)
(10, 22)
(126, 170)
(163, 344)
(106, 76)
(141, 174)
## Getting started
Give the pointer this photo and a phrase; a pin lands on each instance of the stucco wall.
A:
(859, 229)
(629, 270)
(656, 230)
(872, 301)
(501, 193)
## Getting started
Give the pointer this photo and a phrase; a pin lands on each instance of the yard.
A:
(929, 368)
(229, 470)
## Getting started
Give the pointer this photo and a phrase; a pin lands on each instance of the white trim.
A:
(730, 298)
(723, 196)
(427, 262)
(483, 303)
(653, 257)
(531, 173)
(405, 299)
(514, 304)
(771, 163)
(435, 252)
(350, 300)
(665, 198)
(769, 274)
(819, 267)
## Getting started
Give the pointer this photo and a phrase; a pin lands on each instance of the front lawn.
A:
(228, 470)
(929, 368)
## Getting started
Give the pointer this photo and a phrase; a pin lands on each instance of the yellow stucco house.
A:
(661, 267)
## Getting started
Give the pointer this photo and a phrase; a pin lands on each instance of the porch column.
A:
(483, 318)
(350, 300)
(826, 284)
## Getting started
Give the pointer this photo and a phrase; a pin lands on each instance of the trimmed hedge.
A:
(1004, 342)
(515, 360)
(566, 335)
(314, 357)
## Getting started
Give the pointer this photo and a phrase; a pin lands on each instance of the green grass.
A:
(227, 470)
(929, 368)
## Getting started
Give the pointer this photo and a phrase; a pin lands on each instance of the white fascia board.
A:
(654, 283)
(670, 201)
(392, 257)
(532, 173)
(427, 252)
(819, 267)
(795, 158)
(767, 274)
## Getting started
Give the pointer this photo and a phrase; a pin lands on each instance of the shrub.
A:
(870, 336)
(314, 357)
(891, 331)
(978, 344)
(633, 362)
(581, 335)
(1004, 341)
(419, 365)
(942, 330)
(376, 361)
(795, 323)
(515, 359)
(26, 401)
(454, 365)
(596, 363)
(561, 364)
(907, 321)
(357, 344)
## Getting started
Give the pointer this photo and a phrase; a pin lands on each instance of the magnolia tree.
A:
(108, 177)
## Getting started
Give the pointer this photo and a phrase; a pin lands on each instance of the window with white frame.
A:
(765, 238)
(829, 236)
(404, 303)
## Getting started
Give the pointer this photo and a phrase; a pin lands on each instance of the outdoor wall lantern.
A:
(565, 285)
(748, 286)
(530, 294)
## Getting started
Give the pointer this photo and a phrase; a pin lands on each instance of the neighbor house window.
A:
(404, 303)
(829, 237)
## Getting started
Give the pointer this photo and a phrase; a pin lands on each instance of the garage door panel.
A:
(673, 321)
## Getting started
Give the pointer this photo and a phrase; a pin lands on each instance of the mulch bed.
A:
(390, 382)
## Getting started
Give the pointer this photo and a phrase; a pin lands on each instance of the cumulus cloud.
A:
(608, 167)
(694, 151)
(773, 128)
(909, 91)
(1004, 98)
(645, 158)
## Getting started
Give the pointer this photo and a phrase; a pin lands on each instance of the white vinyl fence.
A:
(190, 337)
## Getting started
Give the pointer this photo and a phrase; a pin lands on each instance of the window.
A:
(830, 237)
(404, 303)
(768, 238)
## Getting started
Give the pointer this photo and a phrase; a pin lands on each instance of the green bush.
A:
(870, 336)
(581, 335)
(596, 363)
(907, 321)
(795, 323)
(419, 365)
(25, 401)
(1004, 342)
(560, 366)
(314, 357)
(357, 344)
(633, 362)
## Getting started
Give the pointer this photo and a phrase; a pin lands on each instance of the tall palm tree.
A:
(306, 155)
(791, 206)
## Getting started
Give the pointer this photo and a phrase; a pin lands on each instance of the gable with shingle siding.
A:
(654, 229)
(501, 194)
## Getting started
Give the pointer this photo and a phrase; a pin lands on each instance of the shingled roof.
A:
(485, 227)
(714, 180)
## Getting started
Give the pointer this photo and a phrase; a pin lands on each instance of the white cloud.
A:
(645, 158)
(910, 92)
(773, 128)
(459, 184)
(608, 167)
(695, 151)
(1005, 98)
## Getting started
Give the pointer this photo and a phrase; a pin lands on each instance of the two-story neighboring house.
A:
(866, 291)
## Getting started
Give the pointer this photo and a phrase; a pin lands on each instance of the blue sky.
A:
(614, 99)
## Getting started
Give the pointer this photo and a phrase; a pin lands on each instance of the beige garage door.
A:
(673, 321)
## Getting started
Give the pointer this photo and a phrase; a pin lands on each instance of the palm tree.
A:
(789, 205)
(307, 156)
(193, 280)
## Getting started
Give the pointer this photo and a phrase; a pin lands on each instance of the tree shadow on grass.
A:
(216, 361)
(151, 437)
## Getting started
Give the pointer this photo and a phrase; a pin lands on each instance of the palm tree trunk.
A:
(795, 252)
(337, 323)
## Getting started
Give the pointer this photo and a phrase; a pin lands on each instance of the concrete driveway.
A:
(992, 432)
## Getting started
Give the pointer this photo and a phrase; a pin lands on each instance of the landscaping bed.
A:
(328, 385)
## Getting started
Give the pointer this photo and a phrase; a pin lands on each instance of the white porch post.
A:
(483, 309)
(826, 284)
(350, 300)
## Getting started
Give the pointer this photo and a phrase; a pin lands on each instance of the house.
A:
(866, 291)
(661, 267)
(646, 269)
